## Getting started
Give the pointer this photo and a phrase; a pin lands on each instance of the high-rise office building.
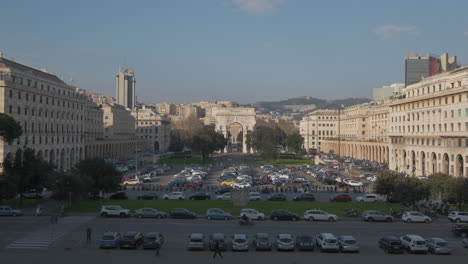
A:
(125, 88)
(421, 65)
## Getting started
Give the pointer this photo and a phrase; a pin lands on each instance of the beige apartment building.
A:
(153, 130)
(429, 128)
(318, 126)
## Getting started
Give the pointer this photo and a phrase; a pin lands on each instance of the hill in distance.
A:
(308, 100)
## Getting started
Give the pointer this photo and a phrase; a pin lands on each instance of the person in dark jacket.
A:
(157, 246)
(217, 250)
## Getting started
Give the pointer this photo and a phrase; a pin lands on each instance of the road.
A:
(71, 247)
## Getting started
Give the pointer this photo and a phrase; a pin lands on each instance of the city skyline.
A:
(258, 50)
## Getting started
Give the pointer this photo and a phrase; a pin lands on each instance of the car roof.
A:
(328, 235)
(263, 235)
(239, 236)
(438, 239)
(109, 233)
(284, 236)
(196, 235)
(415, 237)
(347, 237)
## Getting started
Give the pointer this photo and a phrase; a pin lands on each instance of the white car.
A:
(133, 181)
(240, 185)
(114, 210)
(415, 217)
(255, 196)
(353, 183)
(456, 216)
(319, 215)
(146, 178)
(174, 196)
(414, 243)
(369, 198)
(252, 214)
(327, 242)
(224, 197)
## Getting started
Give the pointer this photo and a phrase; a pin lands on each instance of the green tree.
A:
(207, 141)
(407, 190)
(9, 128)
(177, 143)
(441, 186)
(248, 140)
(460, 192)
(295, 143)
(386, 183)
(266, 141)
(97, 175)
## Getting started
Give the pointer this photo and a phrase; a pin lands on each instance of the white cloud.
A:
(258, 6)
(389, 31)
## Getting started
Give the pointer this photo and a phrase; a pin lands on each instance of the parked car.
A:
(353, 182)
(458, 217)
(391, 244)
(196, 241)
(277, 197)
(414, 243)
(223, 190)
(348, 244)
(216, 213)
(119, 196)
(110, 240)
(239, 242)
(224, 197)
(255, 196)
(284, 242)
(305, 197)
(465, 243)
(131, 239)
(438, 246)
(220, 238)
(114, 210)
(151, 238)
(319, 215)
(200, 196)
(6, 210)
(327, 242)
(252, 214)
(148, 196)
(369, 198)
(415, 217)
(340, 198)
(174, 196)
(460, 230)
(150, 213)
(305, 242)
(261, 241)
(371, 216)
(283, 215)
(228, 182)
(181, 213)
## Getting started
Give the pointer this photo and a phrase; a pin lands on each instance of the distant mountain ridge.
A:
(308, 100)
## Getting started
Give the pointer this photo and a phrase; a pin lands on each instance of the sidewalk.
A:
(49, 207)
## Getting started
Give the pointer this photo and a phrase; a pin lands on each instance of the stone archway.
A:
(423, 163)
(445, 164)
(156, 146)
(459, 172)
(434, 162)
(235, 137)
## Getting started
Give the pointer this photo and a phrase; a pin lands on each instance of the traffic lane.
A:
(176, 231)
(13, 228)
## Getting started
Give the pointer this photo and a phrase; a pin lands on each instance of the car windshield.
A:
(285, 240)
(239, 240)
(395, 243)
(129, 237)
(350, 242)
(196, 240)
(419, 242)
(330, 240)
(306, 239)
(107, 238)
(441, 244)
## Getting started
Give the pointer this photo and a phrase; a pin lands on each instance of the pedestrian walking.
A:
(217, 250)
(88, 235)
(38, 210)
(157, 246)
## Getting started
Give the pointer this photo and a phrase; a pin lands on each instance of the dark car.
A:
(341, 198)
(131, 239)
(119, 196)
(261, 241)
(181, 213)
(283, 215)
(391, 244)
(220, 238)
(223, 190)
(460, 230)
(148, 196)
(200, 196)
(305, 197)
(277, 197)
(150, 240)
(305, 242)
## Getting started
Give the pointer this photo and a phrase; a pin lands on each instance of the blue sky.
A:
(242, 50)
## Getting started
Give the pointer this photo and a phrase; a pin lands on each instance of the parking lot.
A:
(73, 249)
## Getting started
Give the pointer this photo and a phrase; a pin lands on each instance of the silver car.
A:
(371, 216)
(348, 244)
(150, 213)
(438, 246)
(284, 242)
(240, 242)
(196, 242)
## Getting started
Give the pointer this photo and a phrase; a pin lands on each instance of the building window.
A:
(10, 109)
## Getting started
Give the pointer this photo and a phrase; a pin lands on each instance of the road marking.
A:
(45, 236)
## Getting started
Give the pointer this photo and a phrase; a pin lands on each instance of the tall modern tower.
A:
(125, 88)
(419, 66)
